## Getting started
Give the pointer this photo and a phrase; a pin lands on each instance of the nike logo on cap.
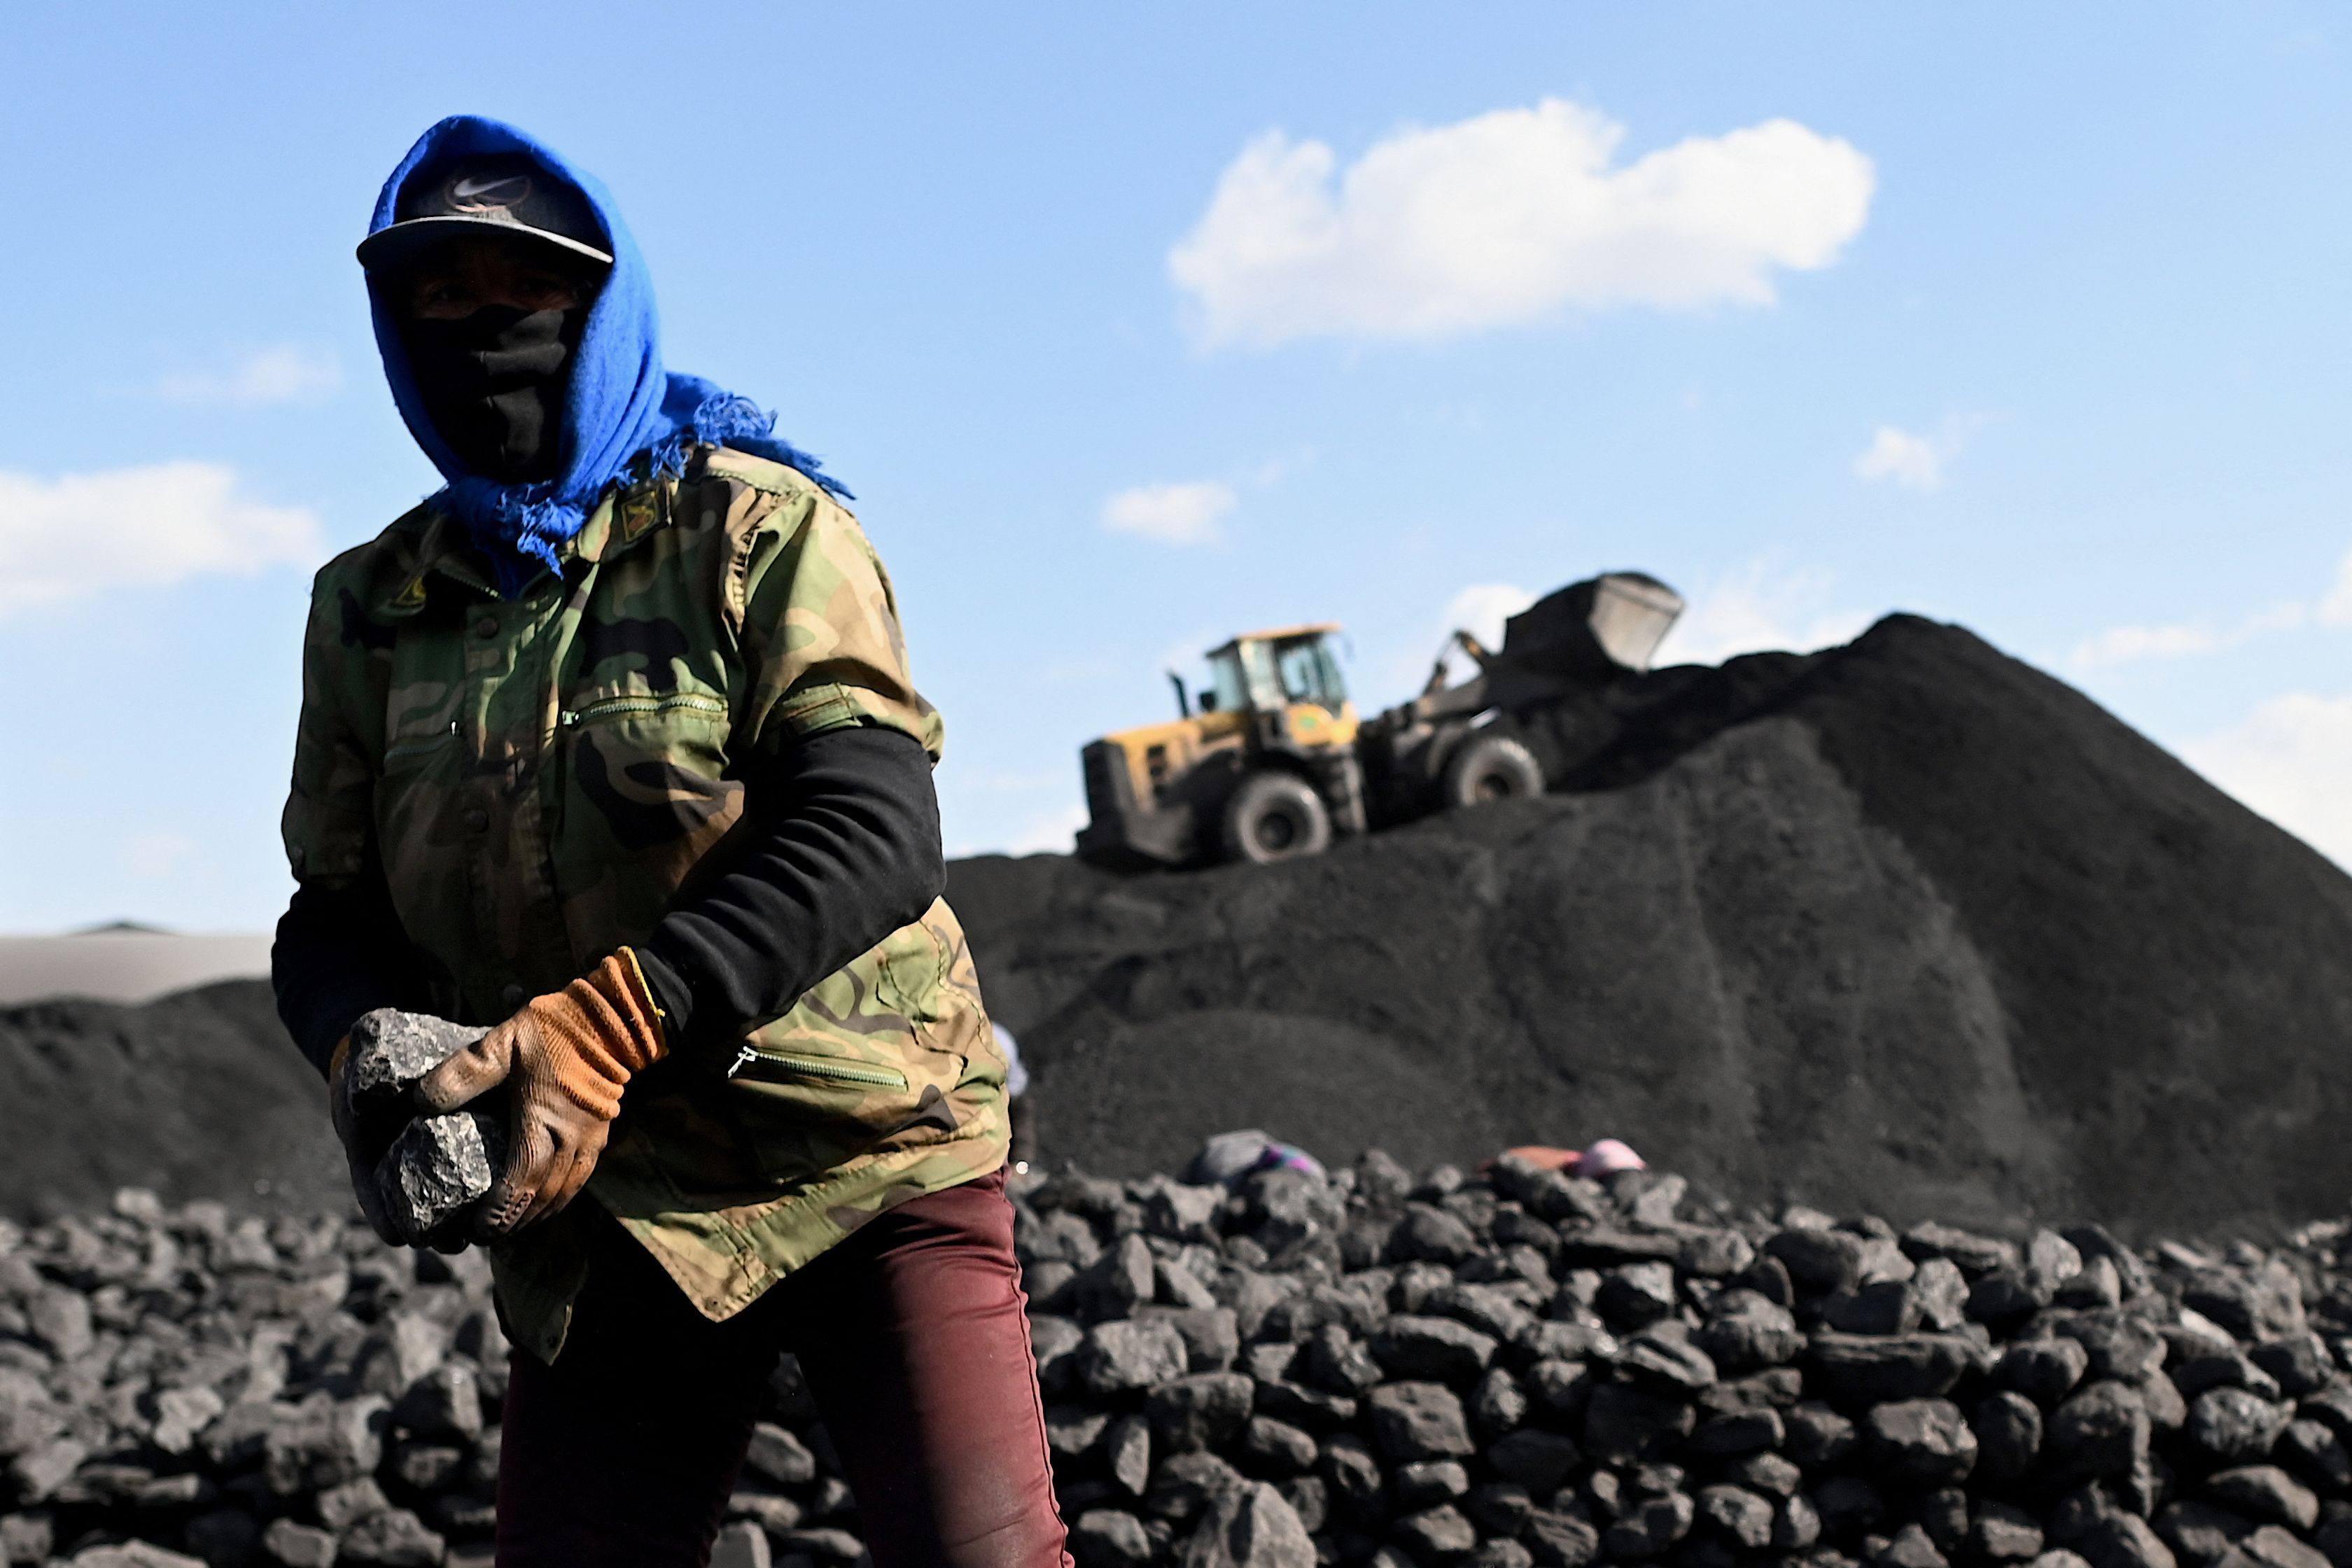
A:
(476, 193)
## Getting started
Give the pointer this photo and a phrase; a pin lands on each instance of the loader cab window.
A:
(1257, 668)
(1229, 680)
(1309, 673)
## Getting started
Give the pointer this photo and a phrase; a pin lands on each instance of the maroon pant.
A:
(913, 1336)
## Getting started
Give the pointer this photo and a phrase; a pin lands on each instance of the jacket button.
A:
(477, 820)
(487, 628)
(513, 997)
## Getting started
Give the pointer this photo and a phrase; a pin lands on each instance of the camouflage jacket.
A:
(541, 776)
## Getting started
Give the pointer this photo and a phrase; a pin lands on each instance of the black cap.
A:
(506, 195)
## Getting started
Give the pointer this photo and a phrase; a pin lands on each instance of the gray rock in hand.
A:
(439, 1165)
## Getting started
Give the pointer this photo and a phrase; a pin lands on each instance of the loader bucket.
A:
(1602, 626)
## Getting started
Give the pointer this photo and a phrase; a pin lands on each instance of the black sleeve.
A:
(340, 952)
(839, 847)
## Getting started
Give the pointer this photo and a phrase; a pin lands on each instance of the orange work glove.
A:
(565, 1057)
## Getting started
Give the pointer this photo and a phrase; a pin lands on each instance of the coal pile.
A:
(199, 1095)
(1904, 925)
(1375, 1370)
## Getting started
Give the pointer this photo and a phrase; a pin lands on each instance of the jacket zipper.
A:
(610, 706)
(817, 1066)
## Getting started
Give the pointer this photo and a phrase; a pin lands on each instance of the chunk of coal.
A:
(2045, 1371)
(1911, 1548)
(1746, 1330)
(2125, 1348)
(2101, 1431)
(1820, 1261)
(1559, 1539)
(1866, 1369)
(2008, 1436)
(1251, 1526)
(1737, 1514)
(1439, 1350)
(2264, 1493)
(1419, 1421)
(1109, 1538)
(438, 1166)
(1131, 1354)
(1539, 1460)
(1278, 1447)
(1918, 1442)
(2123, 1540)
(2234, 1427)
(1623, 1423)
(392, 1049)
(2003, 1532)
(1200, 1411)
(1650, 1526)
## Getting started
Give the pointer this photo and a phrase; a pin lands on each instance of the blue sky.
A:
(1132, 327)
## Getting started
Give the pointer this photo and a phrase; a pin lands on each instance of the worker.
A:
(610, 745)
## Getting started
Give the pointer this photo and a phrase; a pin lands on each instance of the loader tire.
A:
(1490, 767)
(1276, 817)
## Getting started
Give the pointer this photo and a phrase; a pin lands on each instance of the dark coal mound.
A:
(199, 1095)
(1905, 926)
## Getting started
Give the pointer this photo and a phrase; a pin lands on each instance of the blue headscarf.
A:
(623, 416)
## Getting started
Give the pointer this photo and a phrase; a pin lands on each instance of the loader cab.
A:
(1288, 681)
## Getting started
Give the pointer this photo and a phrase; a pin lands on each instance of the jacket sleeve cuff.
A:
(670, 991)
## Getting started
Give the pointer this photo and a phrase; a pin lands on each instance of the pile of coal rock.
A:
(1517, 1370)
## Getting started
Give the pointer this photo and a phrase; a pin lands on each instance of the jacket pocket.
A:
(642, 705)
(649, 768)
(766, 1063)
(850, 1072)
(642, 795)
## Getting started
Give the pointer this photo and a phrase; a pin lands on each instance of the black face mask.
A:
(493, 384)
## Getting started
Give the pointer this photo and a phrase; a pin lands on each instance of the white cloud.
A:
(1911, 461)
(1483, 607)
(1507, 218)
(2129, 645)
(1914, 461)
(2289, 760)
(1759, 609)
(1187, 513)
(146, 527)
(262, 377)
(1483, 610)
(2336, 608)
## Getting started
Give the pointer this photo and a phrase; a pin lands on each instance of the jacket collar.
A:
(429, 544)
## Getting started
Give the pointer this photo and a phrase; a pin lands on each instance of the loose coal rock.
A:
(1596, 1375)
(439, 1165)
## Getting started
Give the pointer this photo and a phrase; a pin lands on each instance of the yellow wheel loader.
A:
(1274, 761)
